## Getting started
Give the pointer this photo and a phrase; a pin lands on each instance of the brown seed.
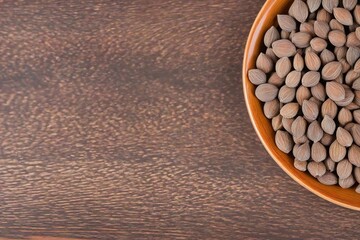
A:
(344, 137)
(340, 79)
(283, 48)
(357, 32)
(312, 61)
(349, 4)
(352, 106)
(302, 93)
(321, 29)
(352, 55)
(293, 79)
(289, 110)
(269, 52)
(335, 91)
(313, 5)
(337, 38)
(331, 71)
(284, 141)
(356, 115)
(329, 108)
(316, 169)
(335, 25)
(356, 14)
(298, 127)
(264, 63)
(286, 22)
(284, 34)
(327, 56)
(266, 92)
(310, 79)
(349, 126)
(340, 52)
(298, 62)
(344, 169)
(357, 174)
(318, 152)
(300, 140)
(329, 5)
(256, 76)
(310, 110)
(347, 182)
(272, 108)
(357, 66)
(271, 35)
(286, 94)
(300, 165)
(345, 66)
(318, 102)
(283, 67)
(318, 91)
(351, 76)
(328, 125)
(327, 139)
(357, 189)
(343, 16)
(318, 44)
(307, 27)
(299, 10)
(295, 148)
(276, 80)
(276, 122)
(337, 152)
(287, 122)
(301, 39)
(302, 153)
(356, 84)
(352, 40)
(357, 98)
(328, 179)
(291, 35)
(349, 97)
(344, 116)
(315, 132)
(354, 155)
(329, 164)
(323, 15)
(355, 132)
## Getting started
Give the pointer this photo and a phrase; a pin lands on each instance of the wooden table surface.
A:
(126, 120)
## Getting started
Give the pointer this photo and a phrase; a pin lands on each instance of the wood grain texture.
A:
(126, 120)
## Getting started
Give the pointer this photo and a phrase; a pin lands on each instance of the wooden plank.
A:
(125, 119)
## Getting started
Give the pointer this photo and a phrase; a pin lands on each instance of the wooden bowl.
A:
(266, 18)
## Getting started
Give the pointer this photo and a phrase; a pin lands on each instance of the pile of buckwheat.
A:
(308, 78)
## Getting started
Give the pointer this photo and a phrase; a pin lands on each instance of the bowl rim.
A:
(255, 29)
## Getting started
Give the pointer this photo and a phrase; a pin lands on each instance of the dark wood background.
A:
(126, 120)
